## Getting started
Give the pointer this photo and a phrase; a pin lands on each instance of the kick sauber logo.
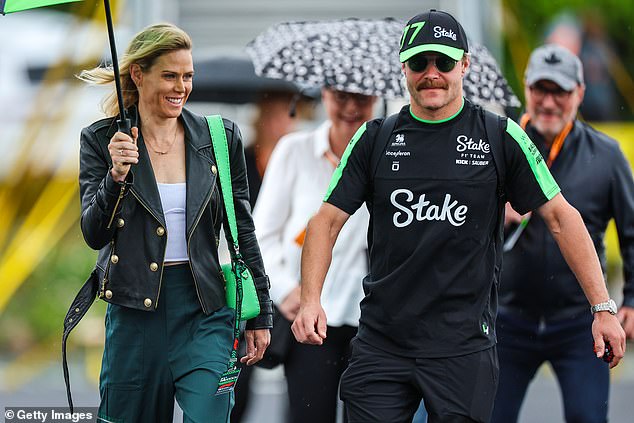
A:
(472, 153)
(423, 209)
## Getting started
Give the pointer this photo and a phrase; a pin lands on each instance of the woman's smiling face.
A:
(165, 87)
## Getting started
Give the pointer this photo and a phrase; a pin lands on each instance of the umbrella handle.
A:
(115, 65)
(125, 126)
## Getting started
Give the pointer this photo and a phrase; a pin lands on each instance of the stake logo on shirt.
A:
(472, 152)
(423, 209)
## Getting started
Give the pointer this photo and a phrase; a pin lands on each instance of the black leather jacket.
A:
(125, 221)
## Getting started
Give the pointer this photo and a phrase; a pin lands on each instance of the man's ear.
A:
(136, 73)
(465, 64)
(581, 92)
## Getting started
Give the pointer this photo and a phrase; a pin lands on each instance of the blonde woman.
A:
(151, 205)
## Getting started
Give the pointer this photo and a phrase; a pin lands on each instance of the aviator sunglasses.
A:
(443, 63)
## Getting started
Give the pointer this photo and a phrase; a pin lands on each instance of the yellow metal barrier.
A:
(623, 132)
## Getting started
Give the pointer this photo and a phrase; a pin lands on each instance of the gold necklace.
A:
(162, 153)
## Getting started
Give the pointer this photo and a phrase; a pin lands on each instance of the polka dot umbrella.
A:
(361, 56)
(354, 55)
(484, 83)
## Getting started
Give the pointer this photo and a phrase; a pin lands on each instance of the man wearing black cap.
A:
(435, 193)
(543, 312)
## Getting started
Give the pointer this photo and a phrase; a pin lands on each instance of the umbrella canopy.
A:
(361, 55)
(9, 6)
(484, 83)
(233, 80)
(351, 55)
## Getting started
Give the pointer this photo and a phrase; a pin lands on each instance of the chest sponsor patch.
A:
(398, 148)
(471, 152)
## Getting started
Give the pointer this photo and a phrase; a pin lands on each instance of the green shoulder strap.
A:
(221, 150)
(229, 378)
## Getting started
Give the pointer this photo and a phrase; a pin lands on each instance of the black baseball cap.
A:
(434, 30)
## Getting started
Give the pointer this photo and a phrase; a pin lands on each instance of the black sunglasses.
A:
(443, 63)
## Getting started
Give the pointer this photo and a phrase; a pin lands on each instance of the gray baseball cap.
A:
(554, 63)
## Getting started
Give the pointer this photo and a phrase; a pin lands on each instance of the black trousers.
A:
(380, 387)
(313, 373)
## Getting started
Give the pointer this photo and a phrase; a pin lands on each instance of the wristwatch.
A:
(609, 306)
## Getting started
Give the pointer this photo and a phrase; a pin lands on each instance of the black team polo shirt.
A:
(432, 198)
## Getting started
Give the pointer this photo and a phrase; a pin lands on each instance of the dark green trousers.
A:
(150, 358)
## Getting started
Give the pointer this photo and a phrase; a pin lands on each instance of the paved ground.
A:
(542, 404)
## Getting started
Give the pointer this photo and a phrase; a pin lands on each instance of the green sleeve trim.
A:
(344, 161)
(535, 160)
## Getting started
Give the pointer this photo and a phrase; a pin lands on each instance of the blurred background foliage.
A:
(36, 311)
(527, 23)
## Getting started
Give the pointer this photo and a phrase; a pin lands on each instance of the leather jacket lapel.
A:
(199, 162)
(145, 187)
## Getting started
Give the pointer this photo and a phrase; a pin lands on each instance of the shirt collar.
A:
(322, 144)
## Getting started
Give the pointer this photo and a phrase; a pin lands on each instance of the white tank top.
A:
(173, 197)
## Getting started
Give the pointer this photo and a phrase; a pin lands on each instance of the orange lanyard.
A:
(332, 158)
(557, 144)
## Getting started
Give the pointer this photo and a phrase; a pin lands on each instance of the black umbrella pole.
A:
(124, 124)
